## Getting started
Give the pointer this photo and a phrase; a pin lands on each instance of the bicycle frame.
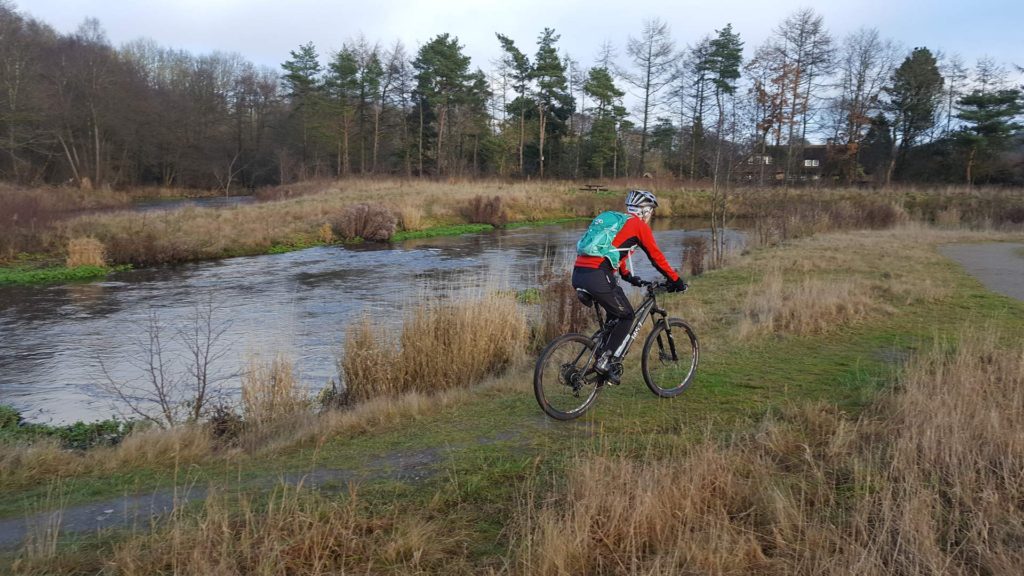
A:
(647, 308)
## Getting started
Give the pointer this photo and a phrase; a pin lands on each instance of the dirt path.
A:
(1000, 266)
(138, 511)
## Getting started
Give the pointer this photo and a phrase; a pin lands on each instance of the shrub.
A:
(225, 424)
(86, 252)
(483, 210)
(694, 251)
(9, 417)
(369, 222)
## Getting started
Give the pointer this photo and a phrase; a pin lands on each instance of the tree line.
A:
(76, 109)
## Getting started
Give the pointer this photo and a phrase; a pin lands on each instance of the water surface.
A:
(59, 344)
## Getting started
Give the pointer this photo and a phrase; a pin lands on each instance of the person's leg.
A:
(602, 286)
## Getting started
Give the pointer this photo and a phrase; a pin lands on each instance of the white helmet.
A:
(640, 202)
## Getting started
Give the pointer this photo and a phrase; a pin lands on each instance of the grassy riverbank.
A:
(306, 214)
(856, 394)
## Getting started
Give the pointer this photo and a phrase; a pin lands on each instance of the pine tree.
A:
(521, 75)
(554, 103)
(303, 83)
(913, 99)
(607, 115)
(990, 128)
(442, 79)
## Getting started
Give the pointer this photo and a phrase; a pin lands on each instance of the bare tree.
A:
(174, 386)
(654, 56)
(865, 63)
(805, 49)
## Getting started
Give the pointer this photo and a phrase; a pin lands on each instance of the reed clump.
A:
(560, 309)
(695, 249)
(365, 221)
(271, 393)
(442, 347)
(484, 210)
(86, 252)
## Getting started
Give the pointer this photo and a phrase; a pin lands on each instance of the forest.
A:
(804, 108)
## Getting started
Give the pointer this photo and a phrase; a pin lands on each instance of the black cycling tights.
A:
(602, 285)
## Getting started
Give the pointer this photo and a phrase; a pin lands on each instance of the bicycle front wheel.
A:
(671, 353)
(561, 382)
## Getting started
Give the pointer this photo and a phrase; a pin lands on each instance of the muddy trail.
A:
(138, 512)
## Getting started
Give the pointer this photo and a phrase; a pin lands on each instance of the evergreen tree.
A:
(723, 66)
(554, 103)
(607, 115)
(303, 83)
(990, 126)
(522, 72)
(342, 87)
(913, 100)
(442, 81)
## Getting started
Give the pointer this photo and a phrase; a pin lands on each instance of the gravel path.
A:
(1000, 267)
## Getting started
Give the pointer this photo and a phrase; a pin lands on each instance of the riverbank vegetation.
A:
(822, 433)
(319, 213)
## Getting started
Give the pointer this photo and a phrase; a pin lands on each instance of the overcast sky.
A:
(264, 32)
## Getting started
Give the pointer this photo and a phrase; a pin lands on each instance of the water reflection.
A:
(53, 338)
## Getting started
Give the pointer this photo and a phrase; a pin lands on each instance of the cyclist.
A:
(596, 274)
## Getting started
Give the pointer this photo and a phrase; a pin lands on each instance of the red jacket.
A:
(634, 233)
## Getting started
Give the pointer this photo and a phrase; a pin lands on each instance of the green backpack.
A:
(598, 239)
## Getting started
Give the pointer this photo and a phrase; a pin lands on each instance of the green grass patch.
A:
(77, 436)
(450, 230)
(56, 274)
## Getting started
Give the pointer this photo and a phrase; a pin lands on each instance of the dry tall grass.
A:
(25, 464)
(931, 481)
(561, 310)
(86, 252)
(807, 306)
(447, 346)
(271, 392)
(293, 531)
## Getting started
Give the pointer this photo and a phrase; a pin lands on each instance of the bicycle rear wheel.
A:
(561, 383)
(670, 358)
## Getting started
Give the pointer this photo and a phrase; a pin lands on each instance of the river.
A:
(59, 344)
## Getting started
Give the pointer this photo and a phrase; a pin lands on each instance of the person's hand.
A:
(634, 280)
(677, 285)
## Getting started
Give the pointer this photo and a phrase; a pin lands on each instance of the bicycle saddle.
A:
(585, 298)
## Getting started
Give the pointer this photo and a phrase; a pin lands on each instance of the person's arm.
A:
(645, 237)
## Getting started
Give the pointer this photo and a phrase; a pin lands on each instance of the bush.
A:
(86, 252)
(9, 417)
(374, 223)
(695, 248)
(483, 210)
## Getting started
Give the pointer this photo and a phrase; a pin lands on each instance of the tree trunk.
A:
(970, 165)
(543, 126)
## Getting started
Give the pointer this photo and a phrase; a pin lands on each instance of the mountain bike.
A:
(566, 383)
